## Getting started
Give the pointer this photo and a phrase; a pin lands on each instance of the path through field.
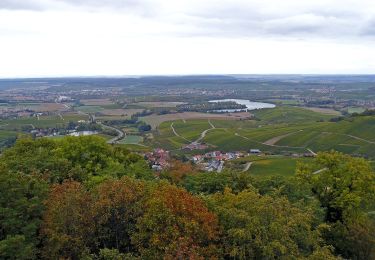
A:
(275, 139)
(176, 134)
(274, 145)
(203, 134)
(359, 138)
(247, 166)
(311, 151)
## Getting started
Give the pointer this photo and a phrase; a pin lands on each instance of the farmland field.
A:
(136, 147)
(90, 109)
(44, 121)
(96, 102)
(156, 120)
(325, 111)
(352, 110)
(289, 114)
(131, 139)
(265, 166)
(269, 166)
(354, 136)
(158, 104)
(120, 112)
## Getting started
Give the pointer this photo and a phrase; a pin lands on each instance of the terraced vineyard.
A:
(353, 135)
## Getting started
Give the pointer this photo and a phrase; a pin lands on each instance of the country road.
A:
(120, 134)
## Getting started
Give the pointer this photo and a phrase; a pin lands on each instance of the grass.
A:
(136, 148)
(269, 166)
(352, 110)
(289, 114)
(189, 129)
(131, 139)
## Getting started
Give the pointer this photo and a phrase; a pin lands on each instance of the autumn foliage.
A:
(176, 225)
(84, 199)
(129, 216)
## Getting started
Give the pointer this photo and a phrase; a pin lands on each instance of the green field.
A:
(131, 139)
(354, 136)
(289, 114)
(90, 109)
(136, 147)
(43, 122)
(275, 166)
(352, 110)
(265, 166)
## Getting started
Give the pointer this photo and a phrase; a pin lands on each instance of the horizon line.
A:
(184, 75)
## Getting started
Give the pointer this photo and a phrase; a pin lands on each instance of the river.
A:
(249, 105)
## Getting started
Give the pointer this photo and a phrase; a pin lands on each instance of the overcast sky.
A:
(143, 37)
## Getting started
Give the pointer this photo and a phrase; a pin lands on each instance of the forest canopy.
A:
(80, 198)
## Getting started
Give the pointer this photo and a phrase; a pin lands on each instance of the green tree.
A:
(30, 156)
(21, 212)
(78, 158)
(344, 185)
(208, 182)
(117, 206)
(263, 227)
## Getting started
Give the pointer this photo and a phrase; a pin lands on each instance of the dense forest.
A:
(80, 198)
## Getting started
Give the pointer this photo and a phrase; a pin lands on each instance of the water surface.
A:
(250, 105)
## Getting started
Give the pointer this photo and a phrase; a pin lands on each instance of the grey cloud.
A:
(252, 20)
(368, 29)
(235, 18)
(58, 4)
(20, 5)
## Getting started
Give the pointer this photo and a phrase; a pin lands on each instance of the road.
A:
(120, 134)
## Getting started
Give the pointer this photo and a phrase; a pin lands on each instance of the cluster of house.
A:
(158, 159)
(211, 161)
(217, 155)
(42, 132)
(214, 161)
(13, 113)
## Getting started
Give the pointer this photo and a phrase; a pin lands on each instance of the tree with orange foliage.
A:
(67, 228)
(177, 172)
(118, 204)
(176, 225)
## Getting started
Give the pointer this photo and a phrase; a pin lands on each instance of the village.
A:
(210, 161)
(213, 161)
